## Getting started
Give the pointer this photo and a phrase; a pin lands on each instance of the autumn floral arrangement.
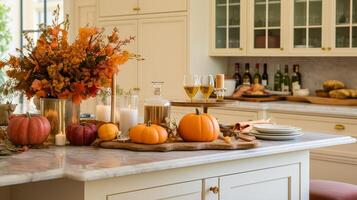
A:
(51, 67)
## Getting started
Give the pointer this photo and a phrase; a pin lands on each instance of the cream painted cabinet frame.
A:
(308, 32)
(228, 27)
(343, 28)
(113, 8)
(267, 25)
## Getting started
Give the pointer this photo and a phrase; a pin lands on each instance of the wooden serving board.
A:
(332, 101)
(297, 99)
(260, 99)
(182, 146)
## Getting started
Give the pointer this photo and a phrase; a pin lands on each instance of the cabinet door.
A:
(228, 27)
(158, 6)
(108, 8)
(183, 191)
(229, 117)
(162, 43)
(308, 30)
(127, 77)
(344, 27)
(267, 27)
(280, 183)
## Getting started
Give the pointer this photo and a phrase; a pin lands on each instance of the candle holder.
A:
(220, 93)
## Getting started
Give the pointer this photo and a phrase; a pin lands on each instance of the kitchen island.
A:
(275, 170)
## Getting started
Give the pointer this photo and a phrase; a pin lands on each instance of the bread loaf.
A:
(343, 93)
(333, 85)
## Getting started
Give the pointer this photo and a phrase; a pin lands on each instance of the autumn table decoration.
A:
(64, 74)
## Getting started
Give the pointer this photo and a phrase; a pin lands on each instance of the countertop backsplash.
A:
(314, 70)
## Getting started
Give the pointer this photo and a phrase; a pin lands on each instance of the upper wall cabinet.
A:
(266, 27)
(112, 8)
(308, 27)
(343, 27)
(285, 28)
(228, 27)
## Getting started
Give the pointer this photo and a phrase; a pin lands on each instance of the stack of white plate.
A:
(275, 132)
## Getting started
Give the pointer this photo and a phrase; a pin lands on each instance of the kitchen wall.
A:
(314, 70)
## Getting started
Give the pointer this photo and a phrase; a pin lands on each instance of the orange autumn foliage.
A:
(51, 67)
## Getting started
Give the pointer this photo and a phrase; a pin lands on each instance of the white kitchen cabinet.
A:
(308, 27)
(112, 8)
(267, 27)
(128, 72)
(229, 117)
(228, 27)
(278, 183)
(162, 42)
(182, 191)
(343, 27)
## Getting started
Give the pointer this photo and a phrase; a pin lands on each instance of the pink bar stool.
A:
(331, 190)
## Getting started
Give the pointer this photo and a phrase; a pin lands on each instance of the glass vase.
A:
(60, 113)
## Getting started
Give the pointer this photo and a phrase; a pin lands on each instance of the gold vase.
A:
(60, 113)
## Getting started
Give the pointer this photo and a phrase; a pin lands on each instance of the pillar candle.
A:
(220, 81)
(128, 119)
(103, 113)
(60, 139)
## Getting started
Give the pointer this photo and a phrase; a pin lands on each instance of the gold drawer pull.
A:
(136, 9)
(340, 127)
(215, 189)
(241, 49)
(328, 48)
(323, 49)
(281, 49)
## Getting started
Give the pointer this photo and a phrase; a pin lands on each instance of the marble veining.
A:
(286, 106)
(89, 163)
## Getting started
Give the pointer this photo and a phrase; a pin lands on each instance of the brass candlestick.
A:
(113, 100)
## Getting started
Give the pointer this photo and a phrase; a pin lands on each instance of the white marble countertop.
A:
(88, 163)
(293, 107)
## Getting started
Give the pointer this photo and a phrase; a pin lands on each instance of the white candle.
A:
(128, 119)
(60, 139)
(103, 113)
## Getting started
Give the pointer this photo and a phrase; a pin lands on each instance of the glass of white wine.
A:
(207, 86)
(191, 84)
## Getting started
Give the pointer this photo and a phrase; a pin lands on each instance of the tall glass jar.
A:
(156, 108)
(103, 105)
(129, 111)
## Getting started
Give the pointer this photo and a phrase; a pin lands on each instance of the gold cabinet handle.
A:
(140, 59)
(323, 49)
(241, 49)
(281, 49)
(340, 127)
(328, 48)
(136, 8)
(215, 189)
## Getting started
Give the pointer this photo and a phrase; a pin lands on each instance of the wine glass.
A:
(207, 86)
(191, 85)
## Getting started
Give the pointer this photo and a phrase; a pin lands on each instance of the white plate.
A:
(273, 128)
(275, 134)
(273, 137)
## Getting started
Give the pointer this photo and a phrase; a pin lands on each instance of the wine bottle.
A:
(286, 80)
(257, 79)
(295, 78)
(265, 78)
(247, 78)
(237, 75)
(278, 77)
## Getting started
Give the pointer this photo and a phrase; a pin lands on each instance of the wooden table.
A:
(203, 103)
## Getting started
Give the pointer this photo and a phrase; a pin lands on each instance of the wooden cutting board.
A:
(332, 101)
(297, 99)
(182, 146)
(260, 99)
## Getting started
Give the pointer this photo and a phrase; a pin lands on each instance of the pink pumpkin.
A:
(28, 129)
(81, 134)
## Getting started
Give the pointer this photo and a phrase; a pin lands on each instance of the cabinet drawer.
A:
(335, 125)
(108, 8)
(182, 191)
(160, 6)
(278, 183)
(232, 116)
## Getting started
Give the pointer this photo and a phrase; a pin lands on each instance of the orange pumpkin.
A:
(196, 127)
(148, 134)
(28, 129)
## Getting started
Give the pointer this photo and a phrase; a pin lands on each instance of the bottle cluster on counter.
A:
(283, 81)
